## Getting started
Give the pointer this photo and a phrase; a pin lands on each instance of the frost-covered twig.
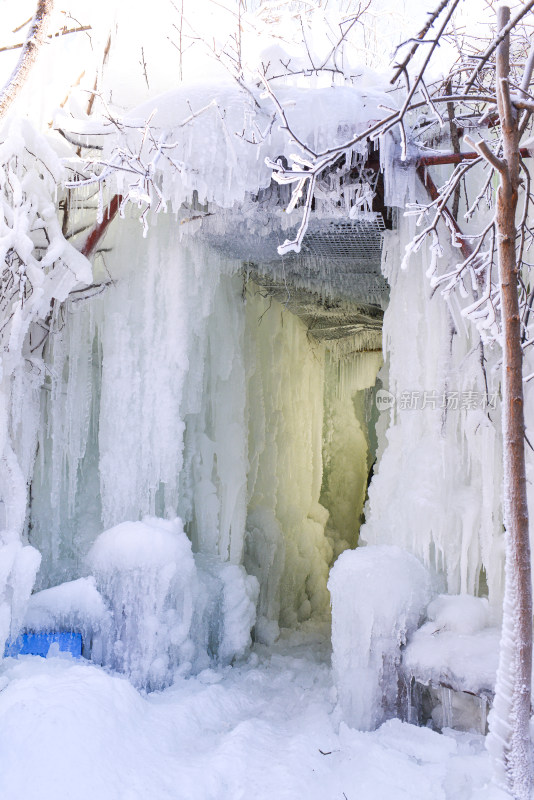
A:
(495, 42)
(285, 124)
(139, 164)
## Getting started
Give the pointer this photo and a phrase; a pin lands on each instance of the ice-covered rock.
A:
(455, 656)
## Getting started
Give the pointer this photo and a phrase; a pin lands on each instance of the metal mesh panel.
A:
(337, 279)
(358, 240)
(328, 238)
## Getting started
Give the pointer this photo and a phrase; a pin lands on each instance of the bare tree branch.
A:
(79, 29)
(486, 152)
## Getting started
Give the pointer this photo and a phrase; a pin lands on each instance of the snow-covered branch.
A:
(35, 39)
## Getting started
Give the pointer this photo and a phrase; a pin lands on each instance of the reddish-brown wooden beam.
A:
(437, 160)
(100, 228)
(456, 158)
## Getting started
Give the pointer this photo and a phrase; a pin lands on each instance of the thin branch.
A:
(23, 25)
(400, 68)
(143, 64)
(430, 186)
(419, 77)
(496, 42)
(77, 144)
(79, 29)
(282, 113)
(455, 141)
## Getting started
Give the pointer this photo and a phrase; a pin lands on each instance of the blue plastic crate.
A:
(38, 644)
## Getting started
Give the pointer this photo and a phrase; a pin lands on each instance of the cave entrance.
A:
(314, 340)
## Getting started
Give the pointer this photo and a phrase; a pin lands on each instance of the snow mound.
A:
(378, 597)
(262, 730)
(461, 613)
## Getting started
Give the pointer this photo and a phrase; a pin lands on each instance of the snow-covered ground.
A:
(263, 729)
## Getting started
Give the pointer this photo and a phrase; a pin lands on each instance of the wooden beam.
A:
(100, 228)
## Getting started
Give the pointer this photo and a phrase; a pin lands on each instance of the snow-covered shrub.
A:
(378, 597)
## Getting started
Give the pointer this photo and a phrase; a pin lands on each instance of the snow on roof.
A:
(213, 139)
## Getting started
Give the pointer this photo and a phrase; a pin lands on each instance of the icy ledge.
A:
(457, 646)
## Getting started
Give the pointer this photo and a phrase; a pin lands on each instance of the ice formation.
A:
(179, 387)
(145, 572)
(437, 489)
(372, 618)
(18, 568)
(150, 609)
(185, 389)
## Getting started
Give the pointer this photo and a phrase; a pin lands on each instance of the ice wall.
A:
(437, 491)
(348, 451)
(40, 268)
(307, 462)
(285, 373)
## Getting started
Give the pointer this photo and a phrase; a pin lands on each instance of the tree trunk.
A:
(28, 55)
(509, 724)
